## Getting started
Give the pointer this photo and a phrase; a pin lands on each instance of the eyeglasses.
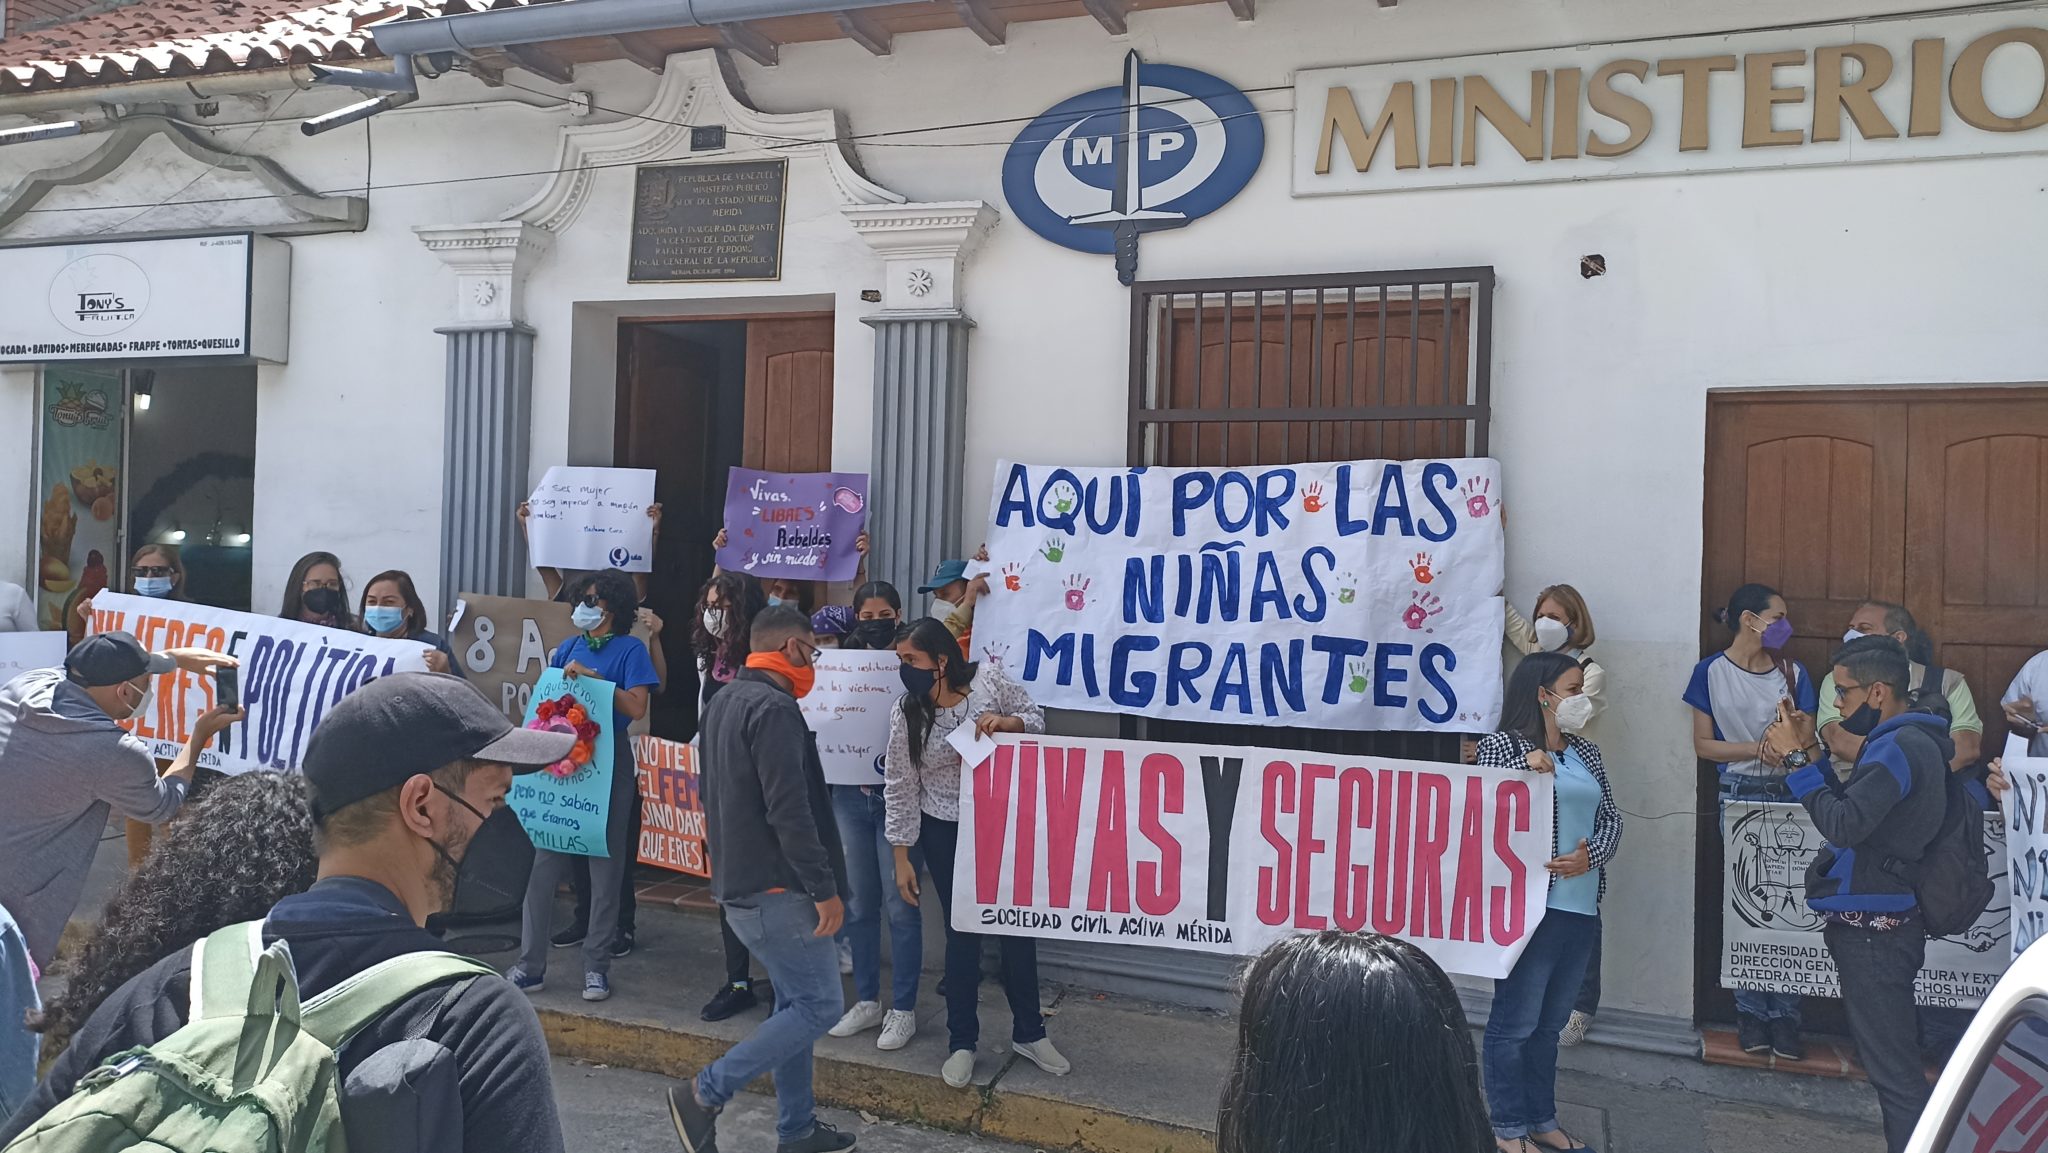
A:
(1842, 691)
(590, 599)
(310, 583)
(153, 570)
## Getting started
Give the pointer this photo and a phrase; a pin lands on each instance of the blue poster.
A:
(564, 807)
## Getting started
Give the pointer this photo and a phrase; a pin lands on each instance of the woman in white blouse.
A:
(922, 795)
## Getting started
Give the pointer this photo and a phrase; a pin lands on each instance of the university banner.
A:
(2027, 833)
(564, 807)
(1225, 849)
(291, 674)
(1348, 595)
(1771, 941)
(848, 710)
(671, 808)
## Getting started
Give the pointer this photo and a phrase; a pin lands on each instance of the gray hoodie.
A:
(63, 764)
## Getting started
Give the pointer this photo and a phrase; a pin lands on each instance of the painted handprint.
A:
(1476, 501)
(1356, 681)
(1054, 548)
(1423, 573)
(1077, 592)
(1013, 576)
(1063, 497)
(995, 654)
(1347, 588)
(1312, 498)
(1423, 606)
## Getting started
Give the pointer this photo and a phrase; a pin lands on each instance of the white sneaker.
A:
(1042, 1054)
(959, 1068)
(1574, 1030)
(898, 1027)
(845, 959)
(863, 1016)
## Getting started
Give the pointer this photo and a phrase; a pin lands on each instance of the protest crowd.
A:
(406, 784)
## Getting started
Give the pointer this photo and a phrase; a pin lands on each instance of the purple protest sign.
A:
(800, 526)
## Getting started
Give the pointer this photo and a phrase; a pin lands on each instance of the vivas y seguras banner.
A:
(291, 674)
(1349, 595)
(1227, 849)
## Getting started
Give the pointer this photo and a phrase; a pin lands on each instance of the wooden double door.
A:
(1934, 499)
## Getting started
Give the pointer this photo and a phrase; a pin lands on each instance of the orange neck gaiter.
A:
(800, 679)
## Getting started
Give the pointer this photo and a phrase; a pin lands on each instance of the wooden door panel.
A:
(789, 395)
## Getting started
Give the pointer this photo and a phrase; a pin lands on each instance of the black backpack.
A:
(1952, 878)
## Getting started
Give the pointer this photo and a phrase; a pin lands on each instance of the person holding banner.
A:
(555, 581)
(1735, 695)
(604, 650)
(316, 593)
(391, 607)
(67, 762)
(947, 692)
(721, 634)
(1542, 714)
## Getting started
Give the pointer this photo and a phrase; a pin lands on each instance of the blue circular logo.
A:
(619, 556)
(1166, 147)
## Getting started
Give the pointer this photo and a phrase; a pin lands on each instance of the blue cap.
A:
(947, 572)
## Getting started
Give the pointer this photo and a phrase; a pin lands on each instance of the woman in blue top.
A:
(1545, 708)
(603, 648)
(1735, 696)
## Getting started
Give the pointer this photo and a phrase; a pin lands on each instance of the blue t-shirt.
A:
(1742, 704)
(1578, 800)
(622, 660)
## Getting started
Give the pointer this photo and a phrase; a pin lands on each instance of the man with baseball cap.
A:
(953, 597)
(403, 772)
(65, 762)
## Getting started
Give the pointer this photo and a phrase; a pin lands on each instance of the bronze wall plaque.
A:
(707, 222)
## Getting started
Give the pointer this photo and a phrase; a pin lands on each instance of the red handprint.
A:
(1420, 564)
(995, 654)
(1077, 592)
(1312, 498)
(1013, 579)
(1476, 501)
(1424, 606)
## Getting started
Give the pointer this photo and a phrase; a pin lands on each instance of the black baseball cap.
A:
(396, 727)
(110, 658)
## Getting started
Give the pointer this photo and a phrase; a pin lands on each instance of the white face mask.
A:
(1853, 635)
(148, 701)
(1574, 713)
(1551, 634)
(714, 622)
(945, 610)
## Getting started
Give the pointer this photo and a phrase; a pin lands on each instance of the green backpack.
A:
(251, 1071)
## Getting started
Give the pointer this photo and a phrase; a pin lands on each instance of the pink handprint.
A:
(1424, 606)
(1312, 498)
(994, 654)
(1421, 564)
(1013, 579)
(1476, 501)
(1077, 592)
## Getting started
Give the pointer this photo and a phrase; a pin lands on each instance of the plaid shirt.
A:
(1506, 750)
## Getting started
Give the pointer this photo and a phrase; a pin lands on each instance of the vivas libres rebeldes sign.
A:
(707, 222)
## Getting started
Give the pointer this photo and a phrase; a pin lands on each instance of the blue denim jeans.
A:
(778, 929)
(939, 839)
(1530, 1005)
(1763, 1006)
(871, 875)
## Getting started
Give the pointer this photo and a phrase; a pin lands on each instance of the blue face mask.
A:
(585, 617)
(152, 586)
(773, 601)
(384, 618)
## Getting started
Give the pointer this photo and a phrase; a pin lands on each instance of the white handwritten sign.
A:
(2026, 822)
(20, 652)
(848, 709)
(592, 518)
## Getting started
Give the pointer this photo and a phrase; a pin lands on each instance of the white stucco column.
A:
(489, 406)
(920, 381)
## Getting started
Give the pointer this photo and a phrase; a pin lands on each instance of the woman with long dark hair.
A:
(721, 634)
(1351, 1042)
(1544, 710)
(391, 608)
(1735, 695)
(944, 691)
(316, 593)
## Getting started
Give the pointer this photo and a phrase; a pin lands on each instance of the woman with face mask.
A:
(392, 608)
(1563, 624)
(603, 649)
(1542, 713)
(316, 593)
(801, 595)
(943, 692)
(1734, 695)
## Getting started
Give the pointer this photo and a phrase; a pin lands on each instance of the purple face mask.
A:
(1777, 634)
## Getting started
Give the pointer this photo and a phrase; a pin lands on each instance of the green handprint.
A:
(1357, 682)
(1063, 505)
(1345, 592)
(1054, 549)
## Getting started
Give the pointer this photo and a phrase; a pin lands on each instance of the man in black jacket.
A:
(403, 772)
(1878, 822)
(777, 872)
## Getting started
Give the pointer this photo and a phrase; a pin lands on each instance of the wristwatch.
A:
(1799, 758)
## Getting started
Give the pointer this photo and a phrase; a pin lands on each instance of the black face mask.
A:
(322, 602)
(498, 857)
(918, 681)
(1861, 722)
(875, 634)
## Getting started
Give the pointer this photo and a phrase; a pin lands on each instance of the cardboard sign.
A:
(592, 518)
(1226, 849)
(567, 813)
(1348, 595)
(504, 644)
(671, 807)
(848, 709)
(801, 526)
(291, 674)
(1771, 940)
(20, 652)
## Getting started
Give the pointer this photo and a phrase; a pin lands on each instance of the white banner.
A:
(592, 518)
(291, 674)
(1771, 940)
(1346, 595)
(2027, 831)
(188, 296)
(1226, 849)
(20, 652)
(848, 709)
